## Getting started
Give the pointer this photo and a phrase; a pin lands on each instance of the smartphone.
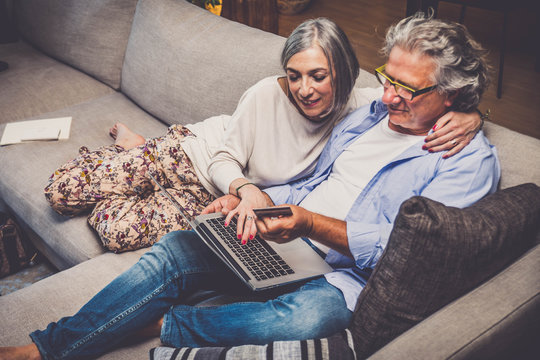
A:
(273, 211)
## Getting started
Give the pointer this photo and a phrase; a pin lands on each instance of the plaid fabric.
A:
(335, 347)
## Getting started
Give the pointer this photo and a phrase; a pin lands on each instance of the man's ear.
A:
(450, 98)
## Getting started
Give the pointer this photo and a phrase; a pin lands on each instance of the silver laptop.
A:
(259, 264)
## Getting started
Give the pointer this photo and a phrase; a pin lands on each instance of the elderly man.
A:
(372, 163)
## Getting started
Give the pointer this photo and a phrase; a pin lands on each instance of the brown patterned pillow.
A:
(437, 253)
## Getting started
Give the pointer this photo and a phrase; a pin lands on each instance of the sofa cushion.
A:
(436, 254)
(516, 155)
(89, 35)
(35, 84)
(191, 64)
(27, 166)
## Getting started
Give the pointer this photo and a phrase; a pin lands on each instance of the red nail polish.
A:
(226, 224)
(434, 127)
(244, 242)
(239, 237)
(424, 147)
(250, 237)
(430, 150)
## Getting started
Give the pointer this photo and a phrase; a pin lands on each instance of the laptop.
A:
(259, 264)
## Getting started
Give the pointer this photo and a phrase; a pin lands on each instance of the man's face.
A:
(416, 116)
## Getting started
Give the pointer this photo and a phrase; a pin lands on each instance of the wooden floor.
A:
(365, 22)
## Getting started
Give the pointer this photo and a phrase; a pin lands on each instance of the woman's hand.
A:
(252, 197)
(452, 132)
(222, 204)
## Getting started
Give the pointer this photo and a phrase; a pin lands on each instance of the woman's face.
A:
(310, 84)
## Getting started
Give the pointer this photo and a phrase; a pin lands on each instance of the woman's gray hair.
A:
(338, 52)
(460, 61)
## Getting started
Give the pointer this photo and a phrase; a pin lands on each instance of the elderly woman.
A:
(275, 136)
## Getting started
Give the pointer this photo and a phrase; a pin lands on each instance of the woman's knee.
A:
(64, 200)
(121, 235)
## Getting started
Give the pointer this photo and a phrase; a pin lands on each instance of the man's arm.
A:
(458, 181)
(328, 231)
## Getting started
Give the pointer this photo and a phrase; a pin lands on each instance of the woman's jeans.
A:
(177, 266)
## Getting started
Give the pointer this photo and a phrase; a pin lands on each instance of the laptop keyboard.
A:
(257, 256)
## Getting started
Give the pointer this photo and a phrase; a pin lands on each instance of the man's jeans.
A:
(176, 267)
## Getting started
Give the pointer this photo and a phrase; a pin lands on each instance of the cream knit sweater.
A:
(266, 140)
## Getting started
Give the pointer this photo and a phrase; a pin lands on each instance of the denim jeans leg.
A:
(315, 309)
(176, 264)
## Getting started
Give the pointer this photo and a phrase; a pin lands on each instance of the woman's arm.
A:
(453, 131)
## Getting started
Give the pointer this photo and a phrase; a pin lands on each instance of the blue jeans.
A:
(159, 284)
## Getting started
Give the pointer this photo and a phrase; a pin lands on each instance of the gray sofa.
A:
(152, 63)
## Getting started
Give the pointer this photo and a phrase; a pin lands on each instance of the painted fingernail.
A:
(430, 150)
(424, 147)
(251, 237)
(244, 242)
(226, 224)
(434, 127)
(239, 237)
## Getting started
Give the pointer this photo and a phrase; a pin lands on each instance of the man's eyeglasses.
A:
(403, 91)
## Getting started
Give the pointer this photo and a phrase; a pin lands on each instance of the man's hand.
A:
(286, 228)
(223, 204)
(303, 223)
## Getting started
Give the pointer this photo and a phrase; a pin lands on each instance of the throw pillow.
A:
(436, 254)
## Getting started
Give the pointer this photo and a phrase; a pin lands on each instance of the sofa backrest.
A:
(184, 64)
(88, 35)
(518, 155)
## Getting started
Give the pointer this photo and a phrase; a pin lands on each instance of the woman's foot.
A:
(124, 137)
(26, 352)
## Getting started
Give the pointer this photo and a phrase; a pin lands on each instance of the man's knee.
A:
(317, 309)
(177, 238)
(178, 243)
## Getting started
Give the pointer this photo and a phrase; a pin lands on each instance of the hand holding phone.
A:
(274, 211)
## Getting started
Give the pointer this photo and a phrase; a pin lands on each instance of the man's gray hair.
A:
(460, 61)
(338, 52)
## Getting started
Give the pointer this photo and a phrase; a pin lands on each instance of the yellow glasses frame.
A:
(403, 91)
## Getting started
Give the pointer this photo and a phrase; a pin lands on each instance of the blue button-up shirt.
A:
(458, 181)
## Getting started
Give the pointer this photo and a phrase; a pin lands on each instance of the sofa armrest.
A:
(499, 317)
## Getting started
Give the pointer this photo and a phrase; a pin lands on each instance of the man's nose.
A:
(390, 96)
